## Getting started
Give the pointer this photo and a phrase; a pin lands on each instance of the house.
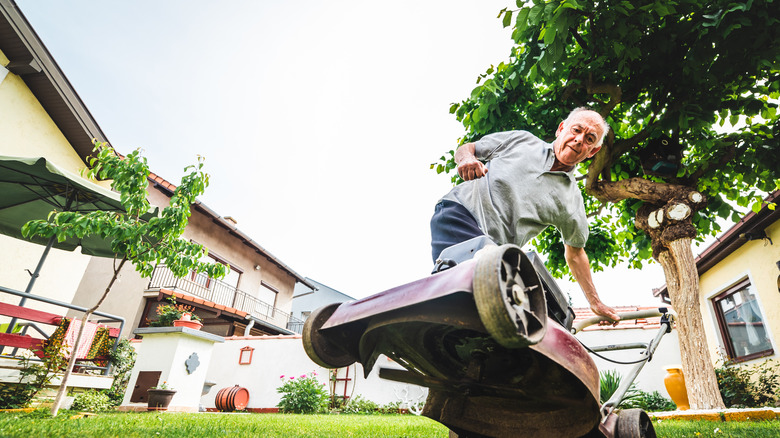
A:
(41, 115)
(307, 300)
(255, 298)
(739, 281)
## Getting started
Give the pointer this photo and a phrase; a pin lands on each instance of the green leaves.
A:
(144, 243)
(704, 72)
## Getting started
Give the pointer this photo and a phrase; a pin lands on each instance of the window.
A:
(741, 323)
(267, 296)
(231, 279)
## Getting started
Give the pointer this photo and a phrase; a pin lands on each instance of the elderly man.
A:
(517, 185)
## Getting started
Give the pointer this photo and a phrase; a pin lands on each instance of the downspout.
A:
(249, 327)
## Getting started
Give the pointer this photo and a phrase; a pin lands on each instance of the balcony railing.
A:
(222, 293)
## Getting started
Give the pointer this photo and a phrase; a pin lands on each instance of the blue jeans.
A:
(451, 224)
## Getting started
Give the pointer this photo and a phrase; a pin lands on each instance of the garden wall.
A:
(275, 356)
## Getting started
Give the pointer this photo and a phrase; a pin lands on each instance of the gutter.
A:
(254, 320)
(163, 184)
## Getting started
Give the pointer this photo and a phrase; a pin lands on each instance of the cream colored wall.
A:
(204, 231)
(27, 130)
(755, 260)
(126, 298)
(58, 279)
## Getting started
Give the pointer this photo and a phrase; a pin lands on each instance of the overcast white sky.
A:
(318, 119)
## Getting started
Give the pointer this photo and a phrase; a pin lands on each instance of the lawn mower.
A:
(491, 335)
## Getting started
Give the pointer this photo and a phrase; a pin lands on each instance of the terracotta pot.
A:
(675, 386)
(187, 323)
(159, 399)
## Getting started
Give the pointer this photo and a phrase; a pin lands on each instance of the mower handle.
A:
(650, 313)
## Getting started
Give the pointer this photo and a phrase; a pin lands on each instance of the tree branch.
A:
(637, 188)
(731, 152)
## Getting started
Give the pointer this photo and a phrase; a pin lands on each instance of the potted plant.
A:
(187, 320)
(160, 397)
(176, 315)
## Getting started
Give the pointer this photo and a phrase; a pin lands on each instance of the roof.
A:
(740, 233)
(222, 309)
(32, 62)
(323, 287)
(166, 187)
(583, 313)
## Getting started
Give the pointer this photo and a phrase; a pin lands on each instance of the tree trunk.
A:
(682, 282)
(69, 369)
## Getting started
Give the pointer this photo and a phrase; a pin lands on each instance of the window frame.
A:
(725, 335)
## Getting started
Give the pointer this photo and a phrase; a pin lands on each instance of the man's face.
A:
(578, 140)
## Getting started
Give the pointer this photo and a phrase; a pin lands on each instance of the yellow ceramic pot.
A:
(675, 386)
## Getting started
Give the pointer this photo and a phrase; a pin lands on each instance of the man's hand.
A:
(602, 309)
(469, 167)
(578, 263)
(472, 169)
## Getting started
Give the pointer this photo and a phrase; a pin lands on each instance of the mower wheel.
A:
(509, 297)
(634, 423)
(321, 350)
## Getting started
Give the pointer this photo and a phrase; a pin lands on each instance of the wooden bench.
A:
(26, 341)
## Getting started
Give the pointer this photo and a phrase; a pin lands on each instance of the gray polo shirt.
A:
(520, 197)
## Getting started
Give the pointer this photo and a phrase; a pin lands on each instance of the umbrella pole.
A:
(31, 283)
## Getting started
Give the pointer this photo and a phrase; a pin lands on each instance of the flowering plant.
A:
(303, 394)
(167, 313)
(163, 385)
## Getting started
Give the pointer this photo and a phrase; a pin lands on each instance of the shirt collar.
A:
(550, 160)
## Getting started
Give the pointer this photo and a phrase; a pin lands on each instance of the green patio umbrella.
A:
(30, 188)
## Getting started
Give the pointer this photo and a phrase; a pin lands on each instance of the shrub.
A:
(303, 395)
(748, 386)
(360, 405)
(609, 382)
(33, 377)
(122, 359)
(651, 402)
(92, 401)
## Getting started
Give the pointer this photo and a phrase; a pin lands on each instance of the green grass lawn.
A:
(40, 425)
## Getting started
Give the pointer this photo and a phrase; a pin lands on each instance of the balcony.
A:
(222, 293)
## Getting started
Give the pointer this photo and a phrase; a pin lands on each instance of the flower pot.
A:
(159, 399)
(675, 386)
(196, 325)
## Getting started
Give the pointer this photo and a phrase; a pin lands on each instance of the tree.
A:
(143, 243)
(690, 90)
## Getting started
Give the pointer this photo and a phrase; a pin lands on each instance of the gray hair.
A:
(604, 125)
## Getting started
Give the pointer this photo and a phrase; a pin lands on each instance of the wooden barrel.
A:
(232, 399)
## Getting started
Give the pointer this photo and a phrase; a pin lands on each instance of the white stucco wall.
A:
(651, 378)
(275, 356)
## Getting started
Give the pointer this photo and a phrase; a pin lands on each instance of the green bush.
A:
(122, 359)
(360, 405)
(33, 377)
(651, 402)
(92, 401)
(609, 382)
(748, 386)
(303, 395)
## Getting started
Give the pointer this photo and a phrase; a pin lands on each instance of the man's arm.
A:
(578, 262)
(469, 167)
